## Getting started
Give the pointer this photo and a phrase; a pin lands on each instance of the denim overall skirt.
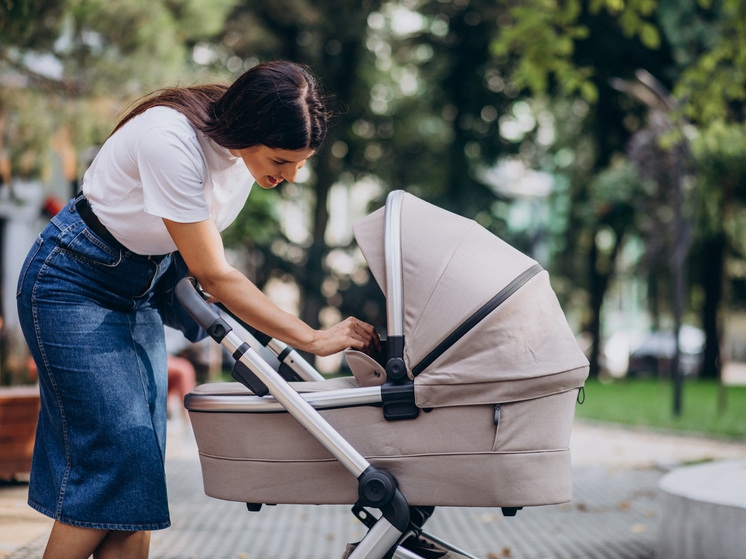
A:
(90, 318)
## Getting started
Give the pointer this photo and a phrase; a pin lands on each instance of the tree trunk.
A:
(596, 292)
(598, 284)
(713, 261)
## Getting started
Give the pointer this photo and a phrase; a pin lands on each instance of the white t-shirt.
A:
(155, 166)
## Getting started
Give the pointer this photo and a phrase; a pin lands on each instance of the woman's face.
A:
(271, 166)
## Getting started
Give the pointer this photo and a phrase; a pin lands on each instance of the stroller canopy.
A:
(481, 322)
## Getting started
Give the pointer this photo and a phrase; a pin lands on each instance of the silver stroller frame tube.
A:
(376, 488)
(393, 255)
(292, 358)
(287, 355)
(301, 410)
(396, 369)
(398, 390)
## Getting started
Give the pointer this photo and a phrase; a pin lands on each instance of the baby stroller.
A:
(472, 405)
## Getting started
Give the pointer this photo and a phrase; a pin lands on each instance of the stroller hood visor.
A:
(452, 268)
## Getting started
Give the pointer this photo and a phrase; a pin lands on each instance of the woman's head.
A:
(279, 105)
(275, 104)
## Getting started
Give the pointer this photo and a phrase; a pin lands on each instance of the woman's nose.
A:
(290, 174)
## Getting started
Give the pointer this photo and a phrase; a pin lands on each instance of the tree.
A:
(70, 65)
(695, 48)
(573, 50)
(67, 67)
(720, 151)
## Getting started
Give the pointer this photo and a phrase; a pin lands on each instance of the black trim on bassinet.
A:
(477, 317)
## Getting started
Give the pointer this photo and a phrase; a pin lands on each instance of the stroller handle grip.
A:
(200, 311)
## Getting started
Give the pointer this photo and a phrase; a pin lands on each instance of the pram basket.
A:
(472, 406)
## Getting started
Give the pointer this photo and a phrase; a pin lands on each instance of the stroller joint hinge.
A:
(398, 401)
(376, 488)
(396, 369)
(284, 353)
(246, 376)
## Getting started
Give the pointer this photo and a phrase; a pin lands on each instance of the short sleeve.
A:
(172, 173)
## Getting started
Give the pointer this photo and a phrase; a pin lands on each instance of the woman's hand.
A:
(351, 332)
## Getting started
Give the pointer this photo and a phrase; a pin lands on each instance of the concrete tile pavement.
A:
(620, 447)
(612, 514)
(19, 523)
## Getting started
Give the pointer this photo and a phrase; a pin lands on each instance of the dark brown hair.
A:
(276, 104)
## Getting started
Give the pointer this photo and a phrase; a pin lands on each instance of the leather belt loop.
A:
(85, 211)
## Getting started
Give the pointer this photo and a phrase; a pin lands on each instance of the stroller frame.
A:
(398, 522)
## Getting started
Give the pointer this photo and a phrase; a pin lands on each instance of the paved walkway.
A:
(612, 514)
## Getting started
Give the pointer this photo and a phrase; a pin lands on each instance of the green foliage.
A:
(72, 65)
(720, 151)
(648, 403)
(257, 223)
(137, 45)
(29, 153)
(715, 85)
(708, 40)
(29, 22)
(543, 34)
(616, 186)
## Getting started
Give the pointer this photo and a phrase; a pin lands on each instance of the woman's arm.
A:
(202, 248)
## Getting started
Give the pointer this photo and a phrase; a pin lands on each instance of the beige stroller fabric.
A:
(451, 456)
(451, 268)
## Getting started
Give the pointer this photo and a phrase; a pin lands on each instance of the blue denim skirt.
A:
(90, 319)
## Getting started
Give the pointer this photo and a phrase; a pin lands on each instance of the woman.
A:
(175, 172)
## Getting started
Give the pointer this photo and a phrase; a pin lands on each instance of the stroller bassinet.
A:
(473, 405)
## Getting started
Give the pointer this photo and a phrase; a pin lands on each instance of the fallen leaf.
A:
(624, 505)
(638, 528)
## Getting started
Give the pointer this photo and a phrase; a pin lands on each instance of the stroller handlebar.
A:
(199, 310)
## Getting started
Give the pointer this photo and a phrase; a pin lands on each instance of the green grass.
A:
(649, 403)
